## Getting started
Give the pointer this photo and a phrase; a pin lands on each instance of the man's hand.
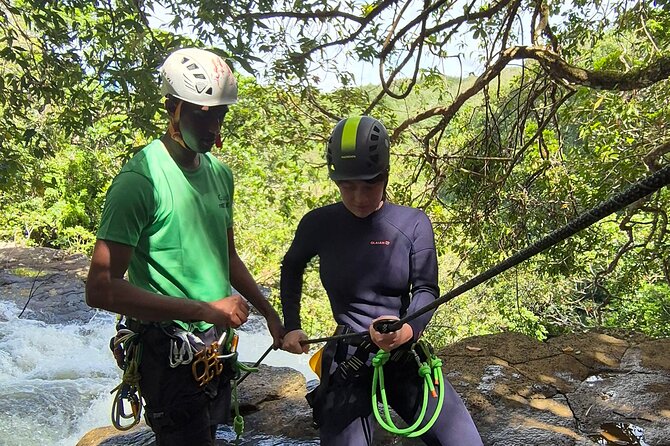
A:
(231, 311)
(390, 341)
(276, 328)
(292, 342)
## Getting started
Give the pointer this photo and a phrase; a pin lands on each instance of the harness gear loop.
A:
(428, 369)
(183, 347)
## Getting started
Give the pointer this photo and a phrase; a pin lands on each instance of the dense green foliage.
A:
(79, 96)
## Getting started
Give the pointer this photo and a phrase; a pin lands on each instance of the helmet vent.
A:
(184, 60)
(374, 147)
(209, 91)
(374, 136)
(193, 66)
(199, 76)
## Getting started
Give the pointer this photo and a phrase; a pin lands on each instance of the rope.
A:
(129, 388)
(635, 192)
(429, 371)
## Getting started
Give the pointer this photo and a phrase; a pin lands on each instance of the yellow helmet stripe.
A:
(349, 131)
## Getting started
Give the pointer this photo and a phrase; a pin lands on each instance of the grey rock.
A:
(520, 391)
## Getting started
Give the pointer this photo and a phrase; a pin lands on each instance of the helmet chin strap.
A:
(173, 127)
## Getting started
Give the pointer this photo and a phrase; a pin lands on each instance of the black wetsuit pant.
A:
(348, 419)
(178, 410)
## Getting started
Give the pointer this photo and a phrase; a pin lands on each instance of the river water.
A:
(55, 379)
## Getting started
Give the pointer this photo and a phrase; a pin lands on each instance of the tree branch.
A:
(555, 67)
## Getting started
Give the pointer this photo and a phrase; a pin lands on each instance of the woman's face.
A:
(360, 197)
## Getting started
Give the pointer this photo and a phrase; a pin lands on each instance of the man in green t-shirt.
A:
(168, 223)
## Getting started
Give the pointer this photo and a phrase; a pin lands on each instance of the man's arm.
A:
(107, 289)
(242, 280)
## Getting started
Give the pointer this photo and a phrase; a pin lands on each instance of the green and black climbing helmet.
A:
(358, 149)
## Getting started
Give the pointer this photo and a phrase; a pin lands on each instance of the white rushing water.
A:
(55, 380)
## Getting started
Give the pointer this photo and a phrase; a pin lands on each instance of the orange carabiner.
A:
(234, 342)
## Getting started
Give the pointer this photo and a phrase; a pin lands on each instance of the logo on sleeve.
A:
(380, 242)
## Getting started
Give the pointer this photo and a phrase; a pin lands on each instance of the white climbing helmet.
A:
(199, 77)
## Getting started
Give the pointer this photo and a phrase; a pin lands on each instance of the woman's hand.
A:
(292, 342)
(390, 341)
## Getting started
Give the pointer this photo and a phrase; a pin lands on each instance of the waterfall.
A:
(55, 379)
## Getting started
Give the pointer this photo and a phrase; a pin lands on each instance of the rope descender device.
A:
(207, 362)
(431, 372)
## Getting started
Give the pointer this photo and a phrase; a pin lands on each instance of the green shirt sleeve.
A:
(129, 209)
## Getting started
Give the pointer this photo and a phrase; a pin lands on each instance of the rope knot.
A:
(380, 358)
(238, 424)
(424, 370)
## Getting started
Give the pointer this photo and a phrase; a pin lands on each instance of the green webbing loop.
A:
(228, 343)
(436, 364)
(425, 371)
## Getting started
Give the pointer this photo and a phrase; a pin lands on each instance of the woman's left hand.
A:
(390, 341)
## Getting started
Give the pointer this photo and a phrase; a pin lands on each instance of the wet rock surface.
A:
(592, 388)
(48, 283)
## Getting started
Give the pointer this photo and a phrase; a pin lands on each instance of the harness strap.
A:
(350, 367)
(327, 359)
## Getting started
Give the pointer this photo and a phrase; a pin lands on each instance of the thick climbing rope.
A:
(629, 196)
(431, 372)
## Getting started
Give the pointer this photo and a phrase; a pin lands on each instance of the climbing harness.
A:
(429, 369)
(206, 362)
(359, 362)
(127, 351)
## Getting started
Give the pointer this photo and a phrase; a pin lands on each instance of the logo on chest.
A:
(223, 201)
(380, 242)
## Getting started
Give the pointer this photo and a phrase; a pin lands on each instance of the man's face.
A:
(200, 126)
